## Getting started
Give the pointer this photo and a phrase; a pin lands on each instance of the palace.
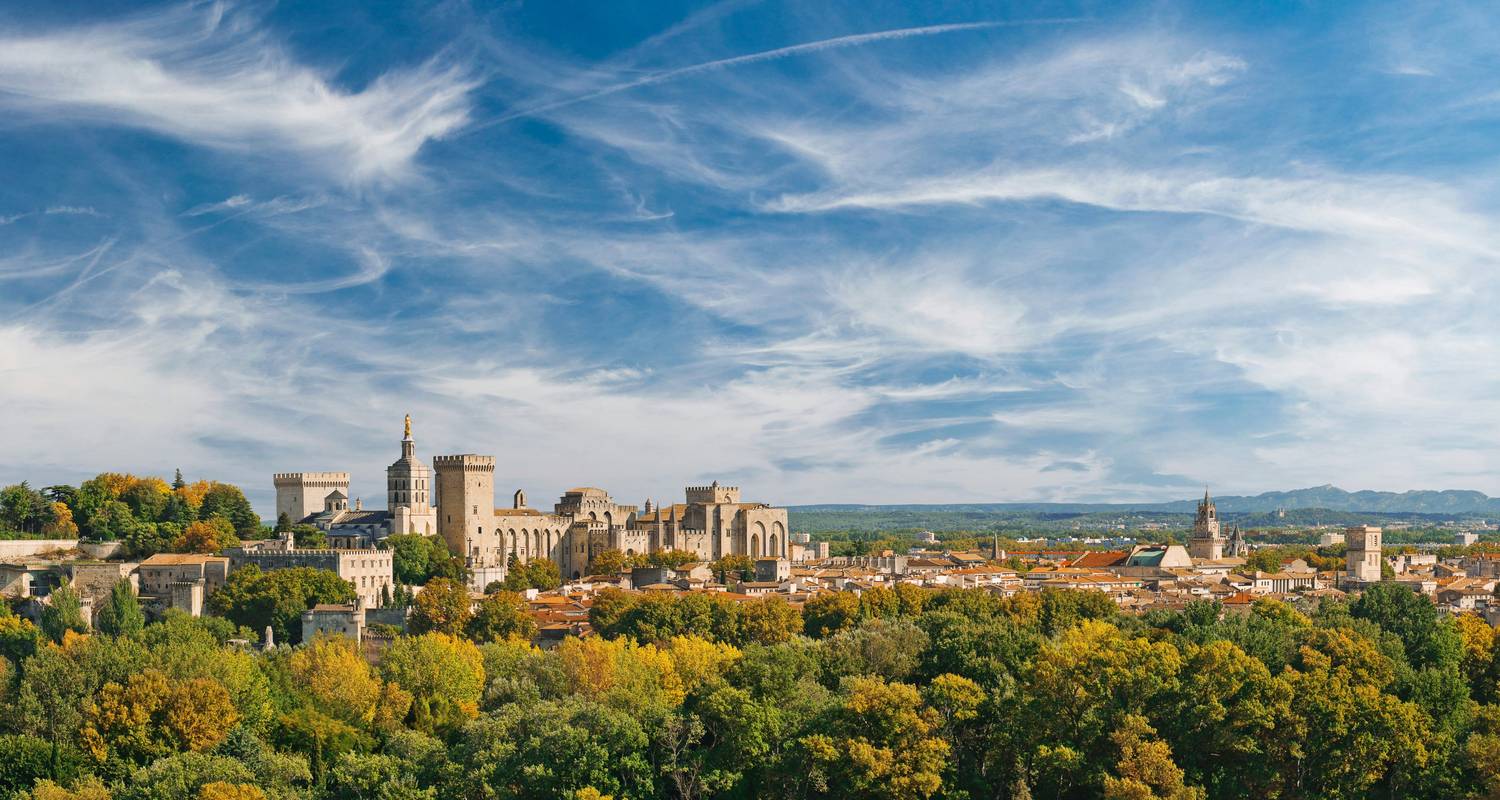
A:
(455, 499)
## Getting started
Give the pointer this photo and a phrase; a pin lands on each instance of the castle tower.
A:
(466, 508)
(299, 495)
(408, 485)
(1207, 541)
(1363, 554)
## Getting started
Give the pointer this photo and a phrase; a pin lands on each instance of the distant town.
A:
(712, 541)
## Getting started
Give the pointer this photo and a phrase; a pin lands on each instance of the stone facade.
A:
(160, 572)
(1363, 554)
(368, 570)
(333, 619)
(456, 500)
(409, 491)
(1207, 542)
(466, 508)
(300, 495)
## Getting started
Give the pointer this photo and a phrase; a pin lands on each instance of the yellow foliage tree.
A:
(149, 716)
(83, 789)
(698, 661)
(337, 677)
(62, 525)
(881, 743)
(193, 493)
(620, 672)
(219, 790)
(205, 536)
(1145, 769)
(443, 674)
(1479, 645)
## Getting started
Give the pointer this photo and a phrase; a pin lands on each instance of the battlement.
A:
(468, 462)
(310, 478)
(713, 493)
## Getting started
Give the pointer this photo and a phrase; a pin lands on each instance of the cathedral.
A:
(455, 499)
(1207, 542)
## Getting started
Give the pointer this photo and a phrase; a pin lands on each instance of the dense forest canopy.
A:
(892, 693)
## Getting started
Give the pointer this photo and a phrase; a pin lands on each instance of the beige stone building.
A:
(455, 499)
(1363, 554)
(322, 499)
(1207, 542)
(712, 522)
(371, 571)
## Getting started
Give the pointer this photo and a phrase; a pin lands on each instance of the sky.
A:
(856, 251)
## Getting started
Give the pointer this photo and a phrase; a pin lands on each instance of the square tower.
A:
(466, 508)
(300, 495)
(1363, 554)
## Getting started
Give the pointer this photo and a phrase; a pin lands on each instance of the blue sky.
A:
(829, 251)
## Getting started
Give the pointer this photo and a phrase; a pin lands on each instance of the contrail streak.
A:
(852, 40)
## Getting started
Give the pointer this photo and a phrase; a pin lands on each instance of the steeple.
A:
(408, 445)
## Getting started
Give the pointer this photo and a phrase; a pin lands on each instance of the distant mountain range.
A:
(1448, 501)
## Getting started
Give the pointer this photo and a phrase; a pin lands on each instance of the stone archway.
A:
(754, 545)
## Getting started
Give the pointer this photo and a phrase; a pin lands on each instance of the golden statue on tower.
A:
(408, 426)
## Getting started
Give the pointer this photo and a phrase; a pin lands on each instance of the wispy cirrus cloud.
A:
(216, 79)
(1103, 260)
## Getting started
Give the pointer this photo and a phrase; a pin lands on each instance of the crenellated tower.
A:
(466, 508)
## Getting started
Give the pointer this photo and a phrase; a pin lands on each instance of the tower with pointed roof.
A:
(408, 487)
(1207, 542)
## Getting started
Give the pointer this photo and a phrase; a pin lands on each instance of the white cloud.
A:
(221, 82)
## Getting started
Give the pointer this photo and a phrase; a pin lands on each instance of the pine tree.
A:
(283, 522)
(63, 613)
(121, 614)
(178, 482)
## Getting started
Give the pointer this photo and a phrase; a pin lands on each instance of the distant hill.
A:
(1449, 501)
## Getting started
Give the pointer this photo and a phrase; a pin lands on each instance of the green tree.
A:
(732, 568)
(50, 701)
(830, 612)
(881, 741)
(1427, 639)
(417, 559)
(370, 776)
(607, 614)
(121, 614)
(63, 613)
(444, 674)
(25, 759)
(501, 616)
(225, 500)
(556, 749)
(769, 620)
(441, 606)
(538, 573)
(607, 562)
(309, 537)
(255, 599)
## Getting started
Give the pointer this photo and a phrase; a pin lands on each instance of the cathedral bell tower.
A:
(408, 490)
(1207, 542)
